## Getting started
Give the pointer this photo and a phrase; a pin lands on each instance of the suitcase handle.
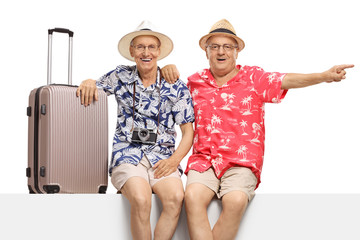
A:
(49, 70)
(61, 30)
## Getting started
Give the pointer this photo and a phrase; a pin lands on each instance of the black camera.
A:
(144, 136)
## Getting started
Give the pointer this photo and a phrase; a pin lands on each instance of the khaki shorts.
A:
(234, 179)
(124, 172)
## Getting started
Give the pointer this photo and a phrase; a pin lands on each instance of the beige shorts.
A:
(234, 179)
(124, 172)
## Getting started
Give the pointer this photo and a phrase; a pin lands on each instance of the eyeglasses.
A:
(226, 47)
(151, 48)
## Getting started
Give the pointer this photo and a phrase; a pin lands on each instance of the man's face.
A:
(222, 59)
(145, 50)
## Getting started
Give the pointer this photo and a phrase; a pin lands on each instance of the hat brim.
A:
(204, 39)
(166, 44)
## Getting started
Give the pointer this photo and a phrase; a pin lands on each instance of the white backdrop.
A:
(311, 137)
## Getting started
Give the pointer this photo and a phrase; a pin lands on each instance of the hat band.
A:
(223, 30)
(148, 29)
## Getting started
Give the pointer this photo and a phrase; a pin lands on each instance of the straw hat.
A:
(145, 29)
(222, 27)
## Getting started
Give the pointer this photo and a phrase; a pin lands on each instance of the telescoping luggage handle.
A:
(49, 70)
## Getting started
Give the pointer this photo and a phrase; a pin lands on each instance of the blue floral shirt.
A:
(176, 108)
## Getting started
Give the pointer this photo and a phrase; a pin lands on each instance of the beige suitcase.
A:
(67, 142)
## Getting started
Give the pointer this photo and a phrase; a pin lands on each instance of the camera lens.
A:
(144, 134)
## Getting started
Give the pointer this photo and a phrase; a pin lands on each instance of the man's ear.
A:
(236, 53)
(131, 51)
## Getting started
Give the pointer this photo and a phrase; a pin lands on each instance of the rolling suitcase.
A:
(67, 142)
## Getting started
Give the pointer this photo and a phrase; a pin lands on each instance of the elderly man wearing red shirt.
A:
(229, 135)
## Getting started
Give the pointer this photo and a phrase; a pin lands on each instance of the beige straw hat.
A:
(222, 27)
(145, 29)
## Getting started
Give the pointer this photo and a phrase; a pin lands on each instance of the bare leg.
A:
(234, 205)
(139, 193)
(197, 199)
(171, 193)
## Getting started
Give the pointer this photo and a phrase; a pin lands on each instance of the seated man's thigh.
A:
(238, 179)
(201, 186)
(122, 173)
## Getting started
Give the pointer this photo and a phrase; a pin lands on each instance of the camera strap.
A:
(158, 121)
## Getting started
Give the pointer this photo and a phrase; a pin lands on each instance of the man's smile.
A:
(146, 59)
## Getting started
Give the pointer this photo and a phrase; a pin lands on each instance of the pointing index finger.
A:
(344, 66)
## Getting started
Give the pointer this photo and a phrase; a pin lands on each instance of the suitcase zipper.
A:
(36, 140)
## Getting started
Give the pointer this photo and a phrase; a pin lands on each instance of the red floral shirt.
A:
(229, 120)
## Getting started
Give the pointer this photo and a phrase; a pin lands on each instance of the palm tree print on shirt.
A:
(243, 124)
(199, 112)
(246, 101)
(228, 98)
(215, 120)
(242, 150)
(225, 141)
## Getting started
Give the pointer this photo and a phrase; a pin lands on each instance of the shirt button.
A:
(212, 146)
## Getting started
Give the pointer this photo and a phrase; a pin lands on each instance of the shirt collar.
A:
(209, 78)
(134, 76)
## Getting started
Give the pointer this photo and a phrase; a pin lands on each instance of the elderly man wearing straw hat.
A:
(229, 137)
(144, 159)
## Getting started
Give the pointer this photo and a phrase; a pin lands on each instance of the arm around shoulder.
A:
(170, 73)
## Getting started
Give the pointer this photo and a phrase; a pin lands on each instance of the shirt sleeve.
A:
(183, 109)
(108, 82)
(268, 85)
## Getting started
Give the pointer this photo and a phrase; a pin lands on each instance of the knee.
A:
(191, 199)
(174, 201)
(235, 202)
(141, 203)
(178, 198)
(191, 196)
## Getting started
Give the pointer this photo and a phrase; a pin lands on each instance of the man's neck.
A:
(148, 78)
(222, 78)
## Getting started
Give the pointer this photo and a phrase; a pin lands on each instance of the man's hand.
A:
(88, 91)
(170, 73)
(337, 73)
(165, 167)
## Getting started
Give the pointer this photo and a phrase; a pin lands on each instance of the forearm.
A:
(298, 80)
(185, 143)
